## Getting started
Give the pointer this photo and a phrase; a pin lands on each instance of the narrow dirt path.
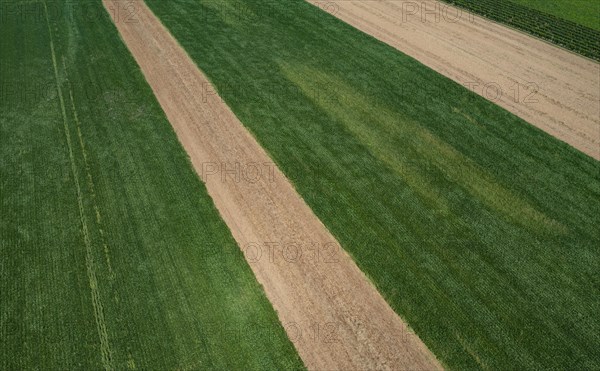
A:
(551, 88)
(331, 312)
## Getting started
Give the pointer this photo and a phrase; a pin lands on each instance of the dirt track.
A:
(334, 316)
(471, 49)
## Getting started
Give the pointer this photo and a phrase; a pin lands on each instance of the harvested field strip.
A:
(568, 34)
(113, 254)
(422, 215)
(334, 316)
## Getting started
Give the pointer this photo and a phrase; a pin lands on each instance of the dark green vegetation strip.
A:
(479, 229)
(560, 31)
(112, 253)
(584, 12)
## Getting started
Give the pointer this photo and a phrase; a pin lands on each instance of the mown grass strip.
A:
(479, 229)
(90, 161)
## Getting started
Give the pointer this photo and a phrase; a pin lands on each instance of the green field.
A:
(113, 255)
(584, 12)
(480, 230)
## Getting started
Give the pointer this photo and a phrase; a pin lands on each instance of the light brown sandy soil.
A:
(470, 49)
(332, 313)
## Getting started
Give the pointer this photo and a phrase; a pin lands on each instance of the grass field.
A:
(479, 229)
(113, 255)
(584, 12)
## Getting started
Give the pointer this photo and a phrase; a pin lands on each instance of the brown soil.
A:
(507, 65)
(334, 316)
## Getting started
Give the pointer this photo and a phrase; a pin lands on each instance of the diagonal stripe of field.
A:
(549, 87)
(112, 254)
(91, 268)
(334, 316)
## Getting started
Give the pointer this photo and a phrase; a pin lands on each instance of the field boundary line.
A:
(105, 349)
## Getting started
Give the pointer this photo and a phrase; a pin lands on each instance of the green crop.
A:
(112, 253)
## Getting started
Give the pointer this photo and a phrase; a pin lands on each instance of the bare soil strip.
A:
(551, 88)
(334, 316)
